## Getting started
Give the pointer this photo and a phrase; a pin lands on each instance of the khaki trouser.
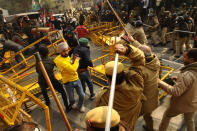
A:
(163, 34)
(154, 36)
(173, 40)
(188, 117)
(179, 45)
(187, 43)
(149, 121)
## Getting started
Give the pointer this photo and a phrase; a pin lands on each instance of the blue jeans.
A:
(86, 78)
(70, 90)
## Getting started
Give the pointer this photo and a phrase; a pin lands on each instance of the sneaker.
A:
(82, 109)
(92, 97)
(74, 106)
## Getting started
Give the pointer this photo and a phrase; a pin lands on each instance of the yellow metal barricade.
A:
(98, 72)
(17, 73)
(166, 71)
(99, 26)
(11, 107)
(30, 61)
(96, 31)
(27, 76)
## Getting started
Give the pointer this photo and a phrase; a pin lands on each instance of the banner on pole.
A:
(35, 5)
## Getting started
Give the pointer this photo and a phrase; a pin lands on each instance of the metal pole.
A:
(185, 31)
(111, 97)
(147, 25)
(119, 19)
(181, 31)
(36, 100)
(38, 58)
(169, 33)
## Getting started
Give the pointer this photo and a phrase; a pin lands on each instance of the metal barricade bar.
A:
(25, 96)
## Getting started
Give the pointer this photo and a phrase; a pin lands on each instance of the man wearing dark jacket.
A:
(84, 53)
(49, 66)
(71, 40)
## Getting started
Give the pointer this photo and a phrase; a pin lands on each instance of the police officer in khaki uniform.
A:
(182, 36)
(138, 33)
(184, 98)
(173, 36)
(95, 120)
(154, 25)
(129, 85)
(150, 74)
(164, 23)
(190, 23)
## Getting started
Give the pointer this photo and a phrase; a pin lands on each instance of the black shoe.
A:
(177, 56)
(48, 104)
(171, 49)
(145, 128)
(92, 97)
(69, 108)
(148, 37)
(163, 44)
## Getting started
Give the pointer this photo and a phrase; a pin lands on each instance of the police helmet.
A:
(174, 15)
(180, 19)
(138, 23)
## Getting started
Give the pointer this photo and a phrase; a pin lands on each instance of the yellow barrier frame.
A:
(26, 95)
(99, 74)
(16, 77)
(98, 26)
(30, 65)
(169, 72)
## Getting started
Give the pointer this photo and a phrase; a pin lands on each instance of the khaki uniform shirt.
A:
(151, 75)
(140, 36)
(129, 94)
(154, 22)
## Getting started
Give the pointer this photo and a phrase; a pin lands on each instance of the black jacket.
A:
(57, 24)
(72, 42)
(49, 65)
(10, 46)
(84, 54)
